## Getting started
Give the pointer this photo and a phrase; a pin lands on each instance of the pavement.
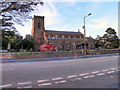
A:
(95, 72)
(56, 58)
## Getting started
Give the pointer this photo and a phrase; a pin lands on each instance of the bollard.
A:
(75, 57)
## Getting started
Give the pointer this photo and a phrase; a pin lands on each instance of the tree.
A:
(110, 31)
(12, 13)
(15, 12)
(97, 41)
(16, 43)
(112, 40)
(28, 43)
(13, 38)
(6, 38)
(109, 40)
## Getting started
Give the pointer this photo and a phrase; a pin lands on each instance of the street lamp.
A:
(85, 33)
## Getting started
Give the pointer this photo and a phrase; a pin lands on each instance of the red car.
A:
(47, 47)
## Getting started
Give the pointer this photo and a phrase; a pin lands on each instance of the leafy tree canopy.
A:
(15, 12)
(110, 31)
(108, 40)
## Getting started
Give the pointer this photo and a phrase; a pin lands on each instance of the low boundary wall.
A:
(13, 56)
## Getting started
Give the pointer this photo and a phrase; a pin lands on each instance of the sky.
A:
(69, 16)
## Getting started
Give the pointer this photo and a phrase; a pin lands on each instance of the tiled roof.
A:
(62, 31)
(89, 38)
(68, 38)
(64, 39)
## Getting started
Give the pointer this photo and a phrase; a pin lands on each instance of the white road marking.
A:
(92, 76)
(23, 83)
(113, 68)
(89, 76)
(105, 70)
(111, 72)
(86, 77)
(79, 78)
(28, 87)
(44, 84)
(42, 80)
(100, 74)
(57, 78)
(83, 74)
(76, 79)
(63, 81)
(7, 85)
(95, 72)
(25, 87)
(71, 76)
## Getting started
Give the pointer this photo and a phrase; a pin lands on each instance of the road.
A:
(96, 72)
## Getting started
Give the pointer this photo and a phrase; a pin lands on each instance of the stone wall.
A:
(12, 56)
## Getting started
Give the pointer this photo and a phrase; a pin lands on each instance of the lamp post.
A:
(85, 34)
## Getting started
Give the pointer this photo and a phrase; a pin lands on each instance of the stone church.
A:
(63, 40)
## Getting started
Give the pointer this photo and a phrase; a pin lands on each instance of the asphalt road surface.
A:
(97, 72)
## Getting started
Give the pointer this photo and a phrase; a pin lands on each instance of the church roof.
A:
(64, 39)
(48, 38)
(61, 31)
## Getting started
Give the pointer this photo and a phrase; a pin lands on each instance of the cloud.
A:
(52, 17)
(50, 12)
(23, 30)
(99, 23)
(78, 8)
(103, 23)
(99, 26)
(81, 0)
(62, 0)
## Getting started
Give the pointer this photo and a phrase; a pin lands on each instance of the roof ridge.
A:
(61, 31)
(58, 30)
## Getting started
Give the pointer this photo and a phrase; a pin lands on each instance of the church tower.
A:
(38, 30)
